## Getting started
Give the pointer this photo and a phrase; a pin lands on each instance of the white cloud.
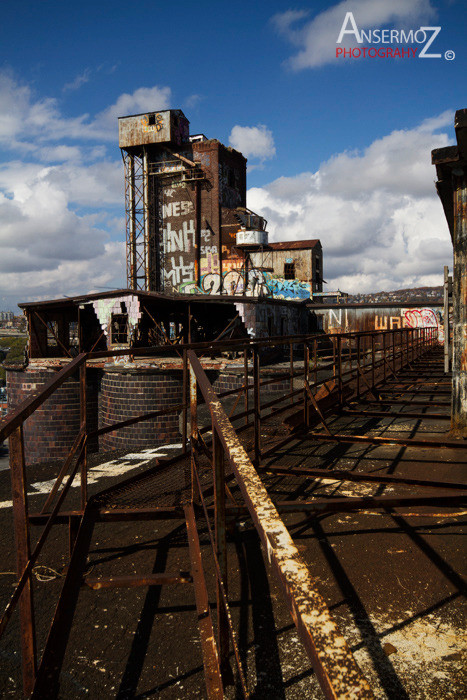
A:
(61, 203)
(253, 141)
(78, 81)
(67, 278)
(27, 122)
(316, 40)
(376, 212)
(141, 100)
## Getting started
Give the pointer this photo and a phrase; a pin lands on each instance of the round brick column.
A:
(128, 392)
(51, 430)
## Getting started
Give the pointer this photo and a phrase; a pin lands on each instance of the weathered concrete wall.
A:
(459, 325)
(263, 320)
(307, 264)
(344, 318)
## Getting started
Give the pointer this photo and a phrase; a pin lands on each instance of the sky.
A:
(338, 147)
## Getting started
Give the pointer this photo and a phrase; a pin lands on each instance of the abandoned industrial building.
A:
(262, 492)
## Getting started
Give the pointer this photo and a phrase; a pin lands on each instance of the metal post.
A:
(193, 430)
(257, 408)
(246, 382)
(339, 367)
(333, 357)
(20, 519)
(185, 403)
(83, 423)
(291, 369)
(373, 357)
(315, 359)
(358, 366)
(306, 369)
(221, 551)
(384, 355)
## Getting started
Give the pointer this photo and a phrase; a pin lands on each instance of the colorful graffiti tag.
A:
(259, 284)
(337, 320)
(425, 318)
(289, 289)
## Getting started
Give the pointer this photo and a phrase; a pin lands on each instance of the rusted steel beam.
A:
(47, 681)
(83, 429)
(416, 392)
(404, 402)
(49, 328)
(37, 398)
(336, 669)
(394, 414)
(257, 409)
(21, 526)
(342, 475)
(103, 515)
(212, 671)
(351, 503)
(222, 590)
(136, 419)
(136, 581)
(62, 473)
(407, 442)
(25, 576)
(221, 551)
(316, 407)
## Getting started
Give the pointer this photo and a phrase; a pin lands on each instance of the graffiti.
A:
(189, 288)
(182, 208)
(158, 124)
(381, 319)
(259, 283)
(180, 272)
(425, 318)
(384, 323)
(288, 289)
(421, 318)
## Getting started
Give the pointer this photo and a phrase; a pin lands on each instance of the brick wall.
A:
(52, 429)
(126, 393)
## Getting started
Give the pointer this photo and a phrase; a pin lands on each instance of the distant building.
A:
(182, 195)
(187, 226)
(6, 315)
(294, 260)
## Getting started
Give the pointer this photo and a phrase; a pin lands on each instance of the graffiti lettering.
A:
(179, 272)
(181, 240)
(177, 209)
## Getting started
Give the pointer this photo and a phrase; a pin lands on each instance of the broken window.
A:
(151, 119)
(73, 338)
(119, 327)
(289, 271)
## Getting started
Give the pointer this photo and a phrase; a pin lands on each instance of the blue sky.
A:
(338, 149)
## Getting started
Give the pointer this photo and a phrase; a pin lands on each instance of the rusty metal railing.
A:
(356, 364)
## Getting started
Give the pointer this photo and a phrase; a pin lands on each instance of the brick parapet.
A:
(51, 430)
(127, 393)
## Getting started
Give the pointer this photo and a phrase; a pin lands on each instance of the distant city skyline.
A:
(338, 148)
